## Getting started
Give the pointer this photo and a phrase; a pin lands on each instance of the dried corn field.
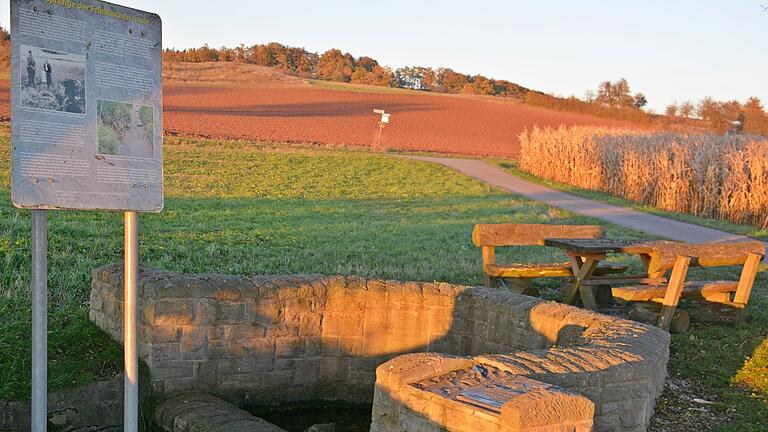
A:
(723, 177)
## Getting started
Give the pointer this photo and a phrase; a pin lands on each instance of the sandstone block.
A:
(263, 347)
(546, 407)
(290, 347)
(307, 372)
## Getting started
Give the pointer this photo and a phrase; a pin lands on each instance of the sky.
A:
(668, 50)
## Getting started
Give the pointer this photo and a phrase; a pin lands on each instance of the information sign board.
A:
(86, 97)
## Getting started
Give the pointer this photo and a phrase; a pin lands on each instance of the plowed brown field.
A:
(419, 122)
(300, 113)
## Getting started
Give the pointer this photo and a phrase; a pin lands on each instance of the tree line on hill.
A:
(611, 100)
(731, 116)
(614, 100)
(334, 65)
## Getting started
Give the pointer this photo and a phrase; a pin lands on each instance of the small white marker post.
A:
(383, 122)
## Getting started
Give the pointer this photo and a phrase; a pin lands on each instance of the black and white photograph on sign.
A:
(52, 80)
(125, 129)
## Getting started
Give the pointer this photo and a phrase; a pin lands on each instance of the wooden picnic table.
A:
(585, 254)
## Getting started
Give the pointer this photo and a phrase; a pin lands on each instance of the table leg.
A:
(652, 265)
(583, 269)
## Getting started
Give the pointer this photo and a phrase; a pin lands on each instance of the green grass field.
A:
(260, 208)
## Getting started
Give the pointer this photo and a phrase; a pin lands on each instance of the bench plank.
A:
(529, 234)
(690, 289)
(703, 254)
(534, 270)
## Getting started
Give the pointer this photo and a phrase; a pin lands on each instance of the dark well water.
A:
(298, 416)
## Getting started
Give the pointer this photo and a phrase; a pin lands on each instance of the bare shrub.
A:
(713, 176)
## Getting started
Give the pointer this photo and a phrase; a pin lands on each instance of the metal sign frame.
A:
(85, 137)
(86, 106)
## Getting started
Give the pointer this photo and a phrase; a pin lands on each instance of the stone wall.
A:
(619, 365)
(277, 339)
(91, 407)
(200, 412)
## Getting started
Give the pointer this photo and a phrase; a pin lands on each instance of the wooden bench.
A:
(518, 276)
(678, 257)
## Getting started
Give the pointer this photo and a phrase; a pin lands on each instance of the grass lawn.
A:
(235, 207)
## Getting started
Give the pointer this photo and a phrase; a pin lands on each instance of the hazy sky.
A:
(670, 50)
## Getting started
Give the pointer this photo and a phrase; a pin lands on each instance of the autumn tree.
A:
(479, 85)
(369, 71)
(671, 110)
(301, 62)
(616, 94)
(333, 65)
(450, 81)
(367, 63)
(686, 109)
(382, 76)
(415, 77)
(639, 100)
(238, 53)
(723, 117)
(755, 117)
(225, 54)
(508, 89)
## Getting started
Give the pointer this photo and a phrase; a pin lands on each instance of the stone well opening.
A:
(427, 356)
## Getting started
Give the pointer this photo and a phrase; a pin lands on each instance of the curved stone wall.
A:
(287, 338)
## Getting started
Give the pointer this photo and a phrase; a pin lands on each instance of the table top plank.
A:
(597, 246)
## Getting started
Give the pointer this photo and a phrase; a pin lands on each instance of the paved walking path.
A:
(636, 220)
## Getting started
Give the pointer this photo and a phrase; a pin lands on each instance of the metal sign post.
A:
(86, 104)
(130, 311)
(39, 319)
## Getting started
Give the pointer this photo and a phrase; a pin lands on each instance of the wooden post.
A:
(584, 272)
(674, 290)
(748, 274)
(746, 281)
(653, 264)
(489, 258)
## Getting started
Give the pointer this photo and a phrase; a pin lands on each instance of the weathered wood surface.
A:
(674, 290)
(747, 279)
(623, 280)
(582, 246)
(665, 252)
(703, 289)
(713, 298)
(536, 270)
(529, 234)
(702, 254)
(582, 271)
